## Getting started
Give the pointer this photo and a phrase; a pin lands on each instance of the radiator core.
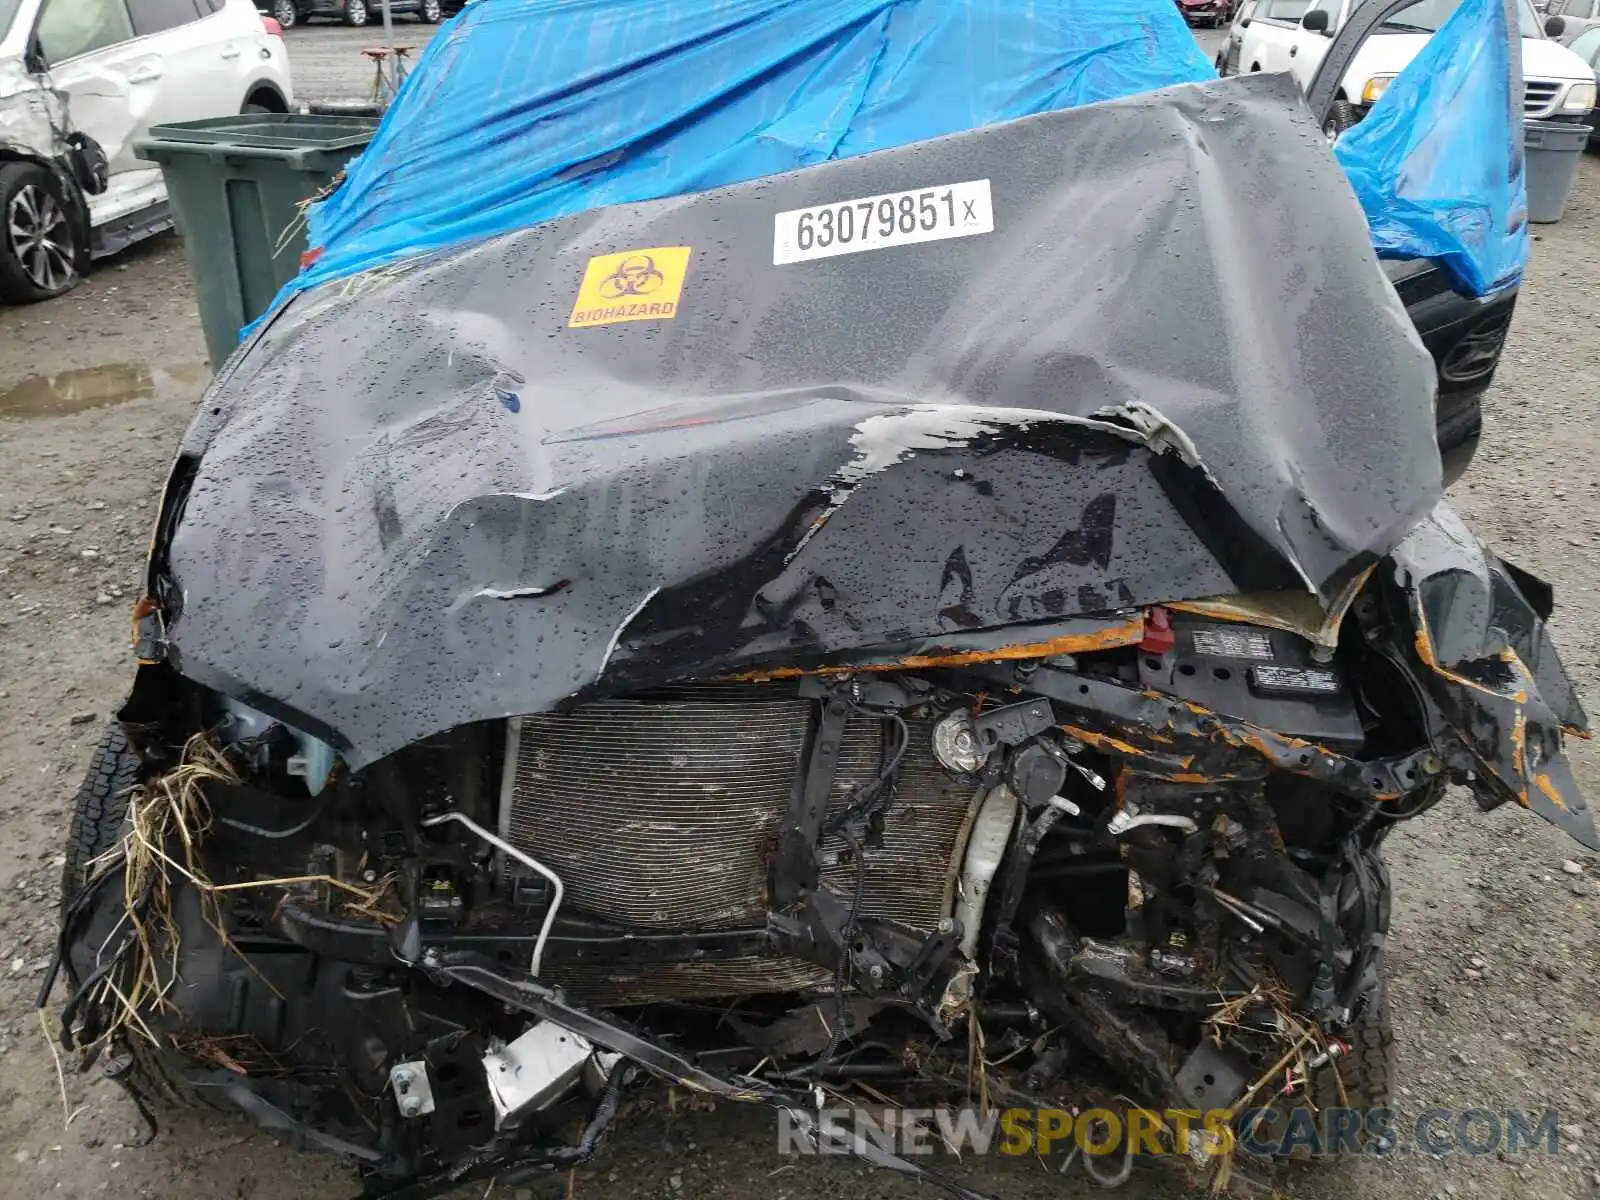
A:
(660, 814)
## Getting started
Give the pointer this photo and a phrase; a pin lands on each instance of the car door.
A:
(1228, 56)
(109, 77)
(1308, 46)
(126, 65)
(202, 44)
(1275, 29)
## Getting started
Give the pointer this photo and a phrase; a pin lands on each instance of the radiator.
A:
(661, 813)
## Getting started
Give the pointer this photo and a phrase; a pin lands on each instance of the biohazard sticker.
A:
(636, 285)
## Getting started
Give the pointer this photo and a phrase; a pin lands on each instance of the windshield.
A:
(8, 10)
(1427, 15)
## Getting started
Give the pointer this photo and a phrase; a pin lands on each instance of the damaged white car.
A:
(80, 80)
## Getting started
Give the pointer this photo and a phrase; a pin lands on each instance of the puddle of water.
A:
(99, 387)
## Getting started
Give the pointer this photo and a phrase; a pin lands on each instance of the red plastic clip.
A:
(1158, 635)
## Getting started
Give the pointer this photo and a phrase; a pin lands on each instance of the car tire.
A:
(431, 12)
(285, 13)
(1360, 1081)
(38, 244)
(355, 13)
(99, 808)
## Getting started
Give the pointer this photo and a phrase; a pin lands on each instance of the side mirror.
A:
(1315, 21)
(1555, 26)
(1244, 22)
(33, 59)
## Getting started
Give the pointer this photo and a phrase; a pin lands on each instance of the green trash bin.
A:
(237, 186)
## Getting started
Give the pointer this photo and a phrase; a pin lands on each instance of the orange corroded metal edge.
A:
(1110, 636)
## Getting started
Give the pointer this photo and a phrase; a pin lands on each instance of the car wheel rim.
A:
(41, 238)
(430, 10)
(286, 15)
(358, 13)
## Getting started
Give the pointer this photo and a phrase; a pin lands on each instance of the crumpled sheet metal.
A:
(1493, 672)
(30, 114)
(524, 110)
(426, 500)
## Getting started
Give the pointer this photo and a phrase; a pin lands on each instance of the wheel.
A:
(99, 808)
(285, 13)
(1366, 1074)
(1340, 119)
(431, 12)
(38, 248)
(355, 12)
(99, 814)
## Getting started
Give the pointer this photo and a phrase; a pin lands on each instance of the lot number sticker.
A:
(636, 285)
(933, 214)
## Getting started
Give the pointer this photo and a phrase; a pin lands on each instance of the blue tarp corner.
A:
(1438, 162)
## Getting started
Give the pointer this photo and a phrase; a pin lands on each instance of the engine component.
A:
(986, 846)
(1256, 674)
(535, 1070)
(526, 860)
(956, 745)
(662, 813)
(412, 1090)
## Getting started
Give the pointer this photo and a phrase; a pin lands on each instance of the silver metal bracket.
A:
(534, 1071)
(412, 1091)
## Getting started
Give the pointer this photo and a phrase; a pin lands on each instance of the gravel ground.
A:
(1493, 954)
(326, 58)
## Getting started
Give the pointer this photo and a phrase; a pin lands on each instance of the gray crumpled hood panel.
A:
(1173, 370)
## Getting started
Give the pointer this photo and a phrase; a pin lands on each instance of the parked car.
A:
(289, 13)
(1293, 36)
(1587, 47)
(1577, 17)
(1227, 61)
(1215, 13)
(80, 80)
(1465, 335)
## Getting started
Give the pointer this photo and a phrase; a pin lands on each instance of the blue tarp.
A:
(520, 111)
(524, 110)
(1438, 163)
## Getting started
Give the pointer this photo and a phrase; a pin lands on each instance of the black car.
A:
(1465, 335)
(290, 13)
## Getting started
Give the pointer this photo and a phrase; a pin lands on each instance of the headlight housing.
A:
(1580, 98)
(1375, 88)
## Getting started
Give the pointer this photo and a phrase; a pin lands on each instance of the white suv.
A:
(79, 81)
(1273, 35)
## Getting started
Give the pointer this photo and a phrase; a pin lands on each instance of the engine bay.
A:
(792, 877)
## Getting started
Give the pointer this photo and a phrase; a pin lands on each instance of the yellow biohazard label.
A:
(636, 285)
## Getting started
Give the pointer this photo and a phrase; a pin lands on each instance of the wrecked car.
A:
(795, 632)
(79, 83)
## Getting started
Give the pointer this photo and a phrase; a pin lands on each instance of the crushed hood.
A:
(1172, 370)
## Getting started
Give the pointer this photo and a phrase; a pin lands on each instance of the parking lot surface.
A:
(1493, 958)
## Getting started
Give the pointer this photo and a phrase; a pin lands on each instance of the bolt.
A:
(411, 1106)
(369, 876)
(946, 925)
(876, 972)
